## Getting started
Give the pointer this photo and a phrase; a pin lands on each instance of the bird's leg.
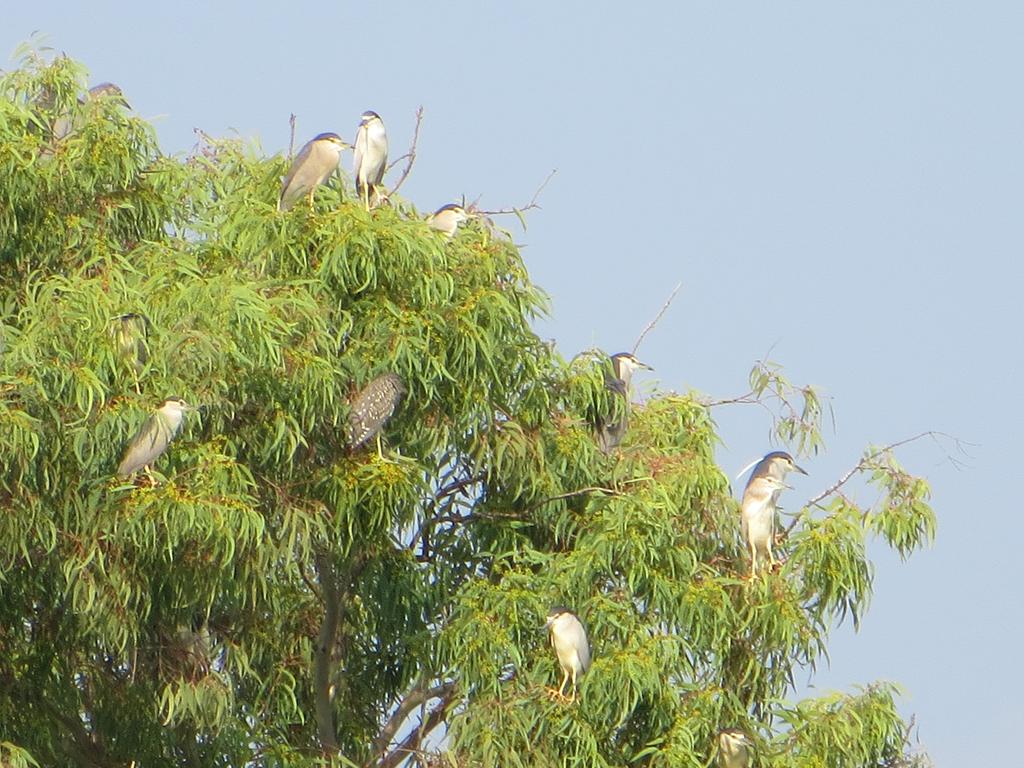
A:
(149, 475)
(380, 452)
(753, 561)
(558, 693)
(572, 691)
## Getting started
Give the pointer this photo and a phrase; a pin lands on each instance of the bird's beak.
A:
(645, 366)
(801, 470)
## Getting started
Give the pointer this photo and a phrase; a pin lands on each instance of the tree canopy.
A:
(273, 598)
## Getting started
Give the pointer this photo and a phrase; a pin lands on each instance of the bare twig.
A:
(750, 398)
(410, 155)
(291, 141)
(654, 322)
(517, 211)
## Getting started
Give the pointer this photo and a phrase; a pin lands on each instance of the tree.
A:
(275, 599)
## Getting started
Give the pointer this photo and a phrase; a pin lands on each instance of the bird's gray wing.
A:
(149, 442)
(379, 176)
(358, 150)
(584, 649)
(288, 195)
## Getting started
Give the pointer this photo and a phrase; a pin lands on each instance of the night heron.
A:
(153, 436)
(130, 332)
(569, 639)
(317, 160)
(624, 364)
(447, 219)
(109, 90)
(372, 408)
(777, 464)
(62, 126)
(760, 503)
(734, 749)
(371, 156)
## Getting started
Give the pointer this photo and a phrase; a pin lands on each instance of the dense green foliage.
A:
(184, 623)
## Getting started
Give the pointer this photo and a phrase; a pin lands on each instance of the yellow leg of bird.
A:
(149, 475)
(572, 691)
(753, 561)
(557, 693)
(380, 452)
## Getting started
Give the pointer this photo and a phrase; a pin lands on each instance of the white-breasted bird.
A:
(758, 518)
(370, 156)
(317, 160)
(734, 749)
(624, 364)
(447, 219)
(760, 503)
(569, 639)
(153, 436)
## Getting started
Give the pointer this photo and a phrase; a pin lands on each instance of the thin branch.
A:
(413, 699)
(291, 141)
(410, 155)
(654, 322)
(860, 466)
(579, 492)
(517, 211)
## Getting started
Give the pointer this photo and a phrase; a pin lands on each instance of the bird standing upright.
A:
(624, 364)
(760, 503)
(370, 156)
(447, 219)
(317, 160)
(569, 639)
(372, 407)
(153, 436)
(130, 332)
(734, 749)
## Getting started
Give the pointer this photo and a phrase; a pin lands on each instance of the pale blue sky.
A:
(840, 181)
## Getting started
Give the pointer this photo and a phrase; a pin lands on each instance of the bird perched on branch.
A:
(447, 219)
(624, 364)
(130, 332)
(569, 639)
(317, 160)
(372, 407)
(153, 436)
(106, 90)
(63, 125)
(734, 749)
(370, 156)
(760, 503)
